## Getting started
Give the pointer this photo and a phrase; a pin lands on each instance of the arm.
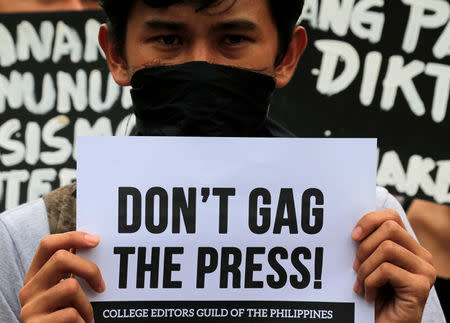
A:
(431, 224)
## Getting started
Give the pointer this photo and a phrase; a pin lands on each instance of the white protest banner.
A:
(225, 229)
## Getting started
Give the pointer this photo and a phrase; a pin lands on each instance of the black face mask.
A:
(201, 99)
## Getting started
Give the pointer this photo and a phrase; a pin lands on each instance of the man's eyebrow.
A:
(165, 25)
(236, 25)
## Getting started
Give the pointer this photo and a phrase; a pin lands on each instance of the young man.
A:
(199, 68)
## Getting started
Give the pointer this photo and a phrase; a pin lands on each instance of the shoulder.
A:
(24, 227)
(61, 209)
(21, 230)
(277, 130)
(385, 200)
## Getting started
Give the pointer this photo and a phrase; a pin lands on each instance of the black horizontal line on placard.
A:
(223, 311)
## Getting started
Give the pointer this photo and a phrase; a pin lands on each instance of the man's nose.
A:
(202, 51)
(74, 4)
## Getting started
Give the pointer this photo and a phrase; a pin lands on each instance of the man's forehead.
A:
(199, 5)
(205, 8)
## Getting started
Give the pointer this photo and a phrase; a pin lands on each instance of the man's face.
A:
(10, 6)
(242, 35)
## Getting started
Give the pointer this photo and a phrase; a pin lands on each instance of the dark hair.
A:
(285, 13)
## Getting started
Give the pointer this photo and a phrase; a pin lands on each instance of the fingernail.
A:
(356, 264)
(356, 234)
(92, 239)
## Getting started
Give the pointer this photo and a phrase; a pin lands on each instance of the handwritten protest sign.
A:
(378, 69)
(54, 86)
(230, 229)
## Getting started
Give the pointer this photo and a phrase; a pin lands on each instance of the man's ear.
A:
(116, 62)
(285, 71)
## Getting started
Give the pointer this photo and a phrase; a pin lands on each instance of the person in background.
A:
(431, 224)
(11, 6)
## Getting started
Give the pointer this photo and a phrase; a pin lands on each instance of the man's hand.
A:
(47, 296)
(394, 271)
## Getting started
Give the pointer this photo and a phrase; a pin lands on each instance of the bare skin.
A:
(244, 36)
(431, 223)
(10, 6)
(394, 270)
(47, 296)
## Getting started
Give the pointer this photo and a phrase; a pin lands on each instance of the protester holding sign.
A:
(254, 56)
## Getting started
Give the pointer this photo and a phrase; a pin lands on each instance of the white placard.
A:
(226, 223)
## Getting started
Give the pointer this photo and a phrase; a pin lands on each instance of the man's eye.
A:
(234, 39)
(169, 40)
